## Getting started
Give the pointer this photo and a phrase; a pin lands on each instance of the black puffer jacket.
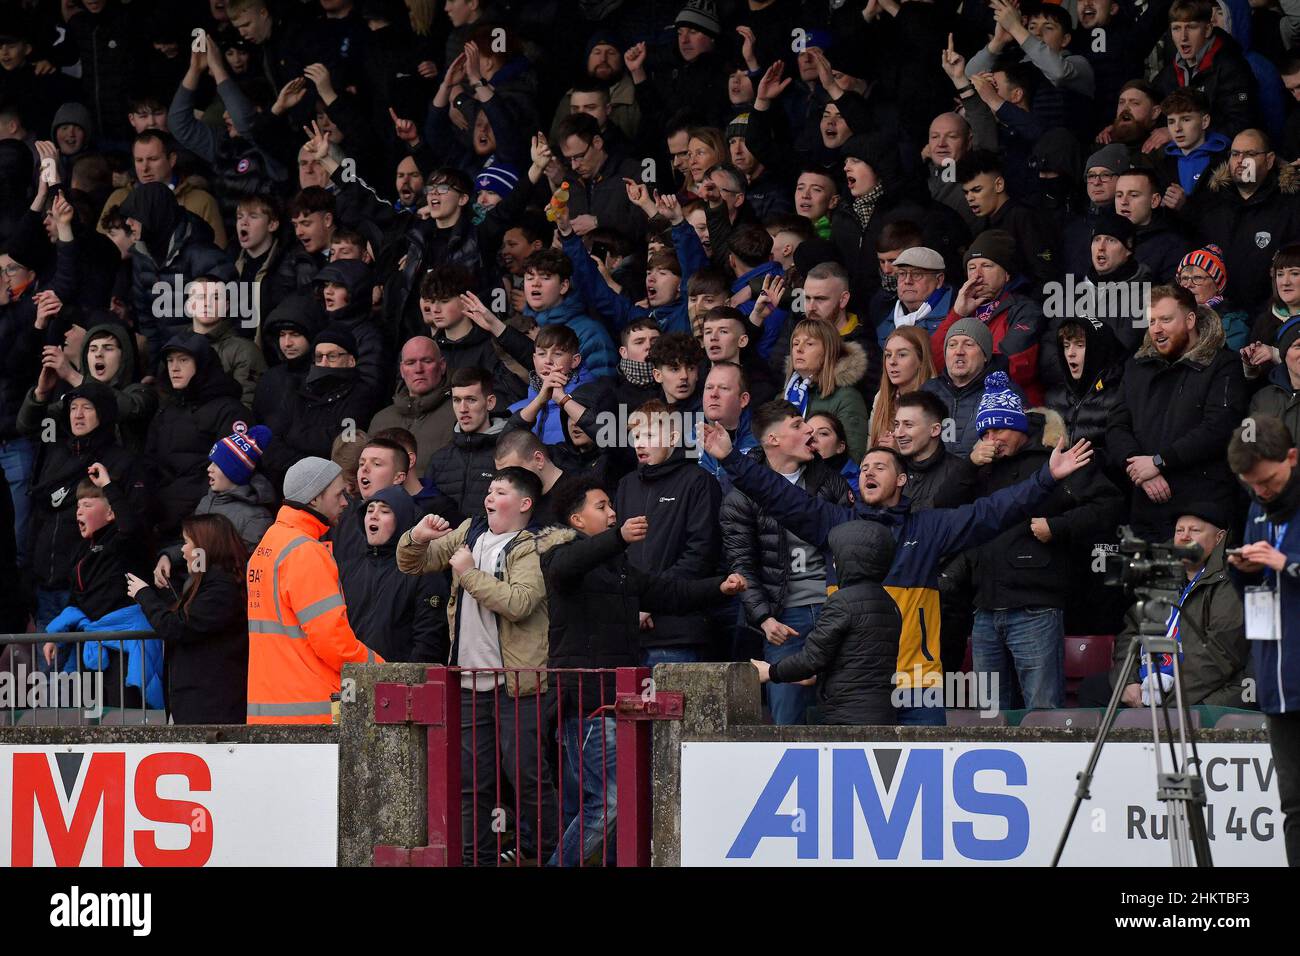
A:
(401, 617)
(60, 467)
(943, 480)
(206, 650)
(478, 349)
(463, 469)
(183, 432)
(175, 245)
(1086, 404)
(853, 650)
(759, 548)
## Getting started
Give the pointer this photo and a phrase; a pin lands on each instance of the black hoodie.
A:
(374, 351)
(1086, 403)
(182, 434)
(280, 382)
(681, 500)
(402, 617)
(60, 466)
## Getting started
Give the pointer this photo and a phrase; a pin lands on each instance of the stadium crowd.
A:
(837, 336)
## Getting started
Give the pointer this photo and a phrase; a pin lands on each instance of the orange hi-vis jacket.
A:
(299, 637)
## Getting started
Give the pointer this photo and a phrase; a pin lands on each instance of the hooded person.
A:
(879, 193)
(346, 287)
(1059, 163)
(853, 649)
(172, 247)
(401, 617)
(1093, 361)
(302, 317)
(85, 434)
(71, 114)
(331, 395)
(201, 406)
(108, 356)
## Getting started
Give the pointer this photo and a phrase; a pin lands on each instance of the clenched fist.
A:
(635, 529)
(429, 528)
(734, 584)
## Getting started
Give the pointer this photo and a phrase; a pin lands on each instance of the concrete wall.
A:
(723, 703)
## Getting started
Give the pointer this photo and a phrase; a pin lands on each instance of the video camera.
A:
(1153, 571)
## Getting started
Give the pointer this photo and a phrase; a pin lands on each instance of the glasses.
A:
(1102, 177)
(1187, 278)
(578, 157)
(14, 269)
(441, 189)
(913, 275)
(329, 356)
(1247, 153)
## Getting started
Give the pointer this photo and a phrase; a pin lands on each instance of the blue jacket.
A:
(743, 440)
(924, 539)
(619, 310)
(144, 659)
(599, 356)
(776, 321)
(549, 426)
(1194, 164)
(1277, 663)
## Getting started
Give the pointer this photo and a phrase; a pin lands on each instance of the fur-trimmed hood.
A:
(552, 537)
(849, 370)
(1288, 178)
(1053, 426)
(1209, 328)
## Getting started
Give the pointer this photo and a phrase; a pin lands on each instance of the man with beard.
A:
(1128, 42)
(1138, 121)
(605, 66)
(1265, 459)
(409, 184)
(1181, 395)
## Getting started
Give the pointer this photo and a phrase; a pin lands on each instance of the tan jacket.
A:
(518, 598)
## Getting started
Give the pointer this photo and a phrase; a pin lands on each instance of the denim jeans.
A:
(589, 819)
(490, 726)
(49, 605)
(789, 703)
(670, 655)
(1027, 644)
(16, 458)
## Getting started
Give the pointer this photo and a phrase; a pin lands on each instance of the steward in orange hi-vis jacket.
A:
(299, 637)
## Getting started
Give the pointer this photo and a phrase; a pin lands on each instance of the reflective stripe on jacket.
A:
(299, 637)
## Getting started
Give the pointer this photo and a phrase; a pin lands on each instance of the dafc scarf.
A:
(796, 392)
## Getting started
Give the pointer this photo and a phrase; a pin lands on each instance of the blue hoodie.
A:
(599, 356)
(549, 426)
(1192, 165)
(621, 311)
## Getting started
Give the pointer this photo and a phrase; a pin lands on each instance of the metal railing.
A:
(521, 778)
(40, 693)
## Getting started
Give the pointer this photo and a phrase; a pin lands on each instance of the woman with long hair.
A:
(907, 366)
(822, 371)
(205, 627)
(832, 444)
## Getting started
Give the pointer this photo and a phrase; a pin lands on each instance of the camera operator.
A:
(1210, 628)
(1262, 453)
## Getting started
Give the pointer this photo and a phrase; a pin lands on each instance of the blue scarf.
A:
(796, 392)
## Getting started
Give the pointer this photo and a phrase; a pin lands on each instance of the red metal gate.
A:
(437, 705)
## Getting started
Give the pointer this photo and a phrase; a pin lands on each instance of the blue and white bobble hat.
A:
(1001, 406)
(500, 179)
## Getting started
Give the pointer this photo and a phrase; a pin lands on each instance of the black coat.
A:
(53, 536)
(401, 617)
(1087, 404)
(1015, 569)
(308, 424)
(20, 361)
(183, 432)
(595, 594)
(98, 585)
(206, 649)
(853, 650)
(1228, 83)
(463, 469)
(758, 547)
(1185, 412)
(478, 349)
(1161, 244)
(1250, 231)
(681, 500)
(943, 480)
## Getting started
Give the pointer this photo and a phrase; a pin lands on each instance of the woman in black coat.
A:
(205, 630)
(853, 650)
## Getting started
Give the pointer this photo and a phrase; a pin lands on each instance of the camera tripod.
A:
(1181, 789)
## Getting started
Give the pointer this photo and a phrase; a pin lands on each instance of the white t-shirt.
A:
(480, 642)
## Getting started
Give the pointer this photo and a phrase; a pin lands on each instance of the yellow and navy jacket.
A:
(924, 540)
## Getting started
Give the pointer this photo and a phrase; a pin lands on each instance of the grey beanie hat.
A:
(976, 329)
(308, 478)
(72, 114)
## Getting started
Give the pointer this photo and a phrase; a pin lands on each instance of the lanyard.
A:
(1171, 625)
(1280, 532)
